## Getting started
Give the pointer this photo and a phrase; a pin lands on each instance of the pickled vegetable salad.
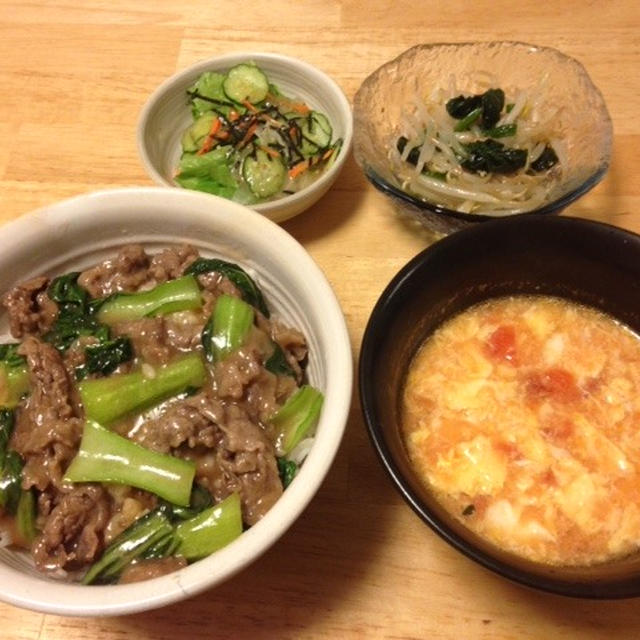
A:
(250, 143)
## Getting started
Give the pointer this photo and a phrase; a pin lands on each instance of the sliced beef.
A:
(243, 462)
(192, 421)
(172, 262)
(48, 431)
(29, 308)
(73, 532)
(148, 336)
(127, 272)
(147, 569)
(236, 372)
(231, 451)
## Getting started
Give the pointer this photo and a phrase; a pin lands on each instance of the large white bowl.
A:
(76, 233)
(167, 114)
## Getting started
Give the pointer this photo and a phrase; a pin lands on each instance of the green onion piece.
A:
(228, 327)
(105, 456)
(180, 294)
(503, 131)
(210, 530)
(296, 418)
(106, 399)
(151, 530)
(467, 121)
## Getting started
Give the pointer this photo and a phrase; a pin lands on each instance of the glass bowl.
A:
(557, 81)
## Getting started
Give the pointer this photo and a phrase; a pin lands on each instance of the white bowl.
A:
(76, 233)
(166, 115)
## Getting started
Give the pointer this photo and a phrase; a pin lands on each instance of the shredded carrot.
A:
(327, 154)
(274, 153)
(233, 115)
(247, 136)
(209, 140)
(249, 106)
(299, 168)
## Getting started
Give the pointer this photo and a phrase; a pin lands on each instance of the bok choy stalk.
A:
(13, 499)
(296, 418)
(155, 535)
(210, 530)
(105, 456)
(181, 294)
(145, 533)
(106, 399)
(14, 376)
(227, 328)
(10, 465)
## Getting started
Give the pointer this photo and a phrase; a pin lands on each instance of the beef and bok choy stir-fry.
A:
(150, 410)
(488, 152)
(248, 141)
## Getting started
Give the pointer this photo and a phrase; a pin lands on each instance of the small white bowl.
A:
(78, 232)
(167, 114)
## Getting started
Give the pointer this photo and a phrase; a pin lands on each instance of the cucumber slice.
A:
(264, 175)
(193, 136)
(316, 132)
(246, 82)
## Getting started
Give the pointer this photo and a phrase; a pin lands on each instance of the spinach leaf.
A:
(544, 161)
(461, 106)
(492, 105)
(491, 156)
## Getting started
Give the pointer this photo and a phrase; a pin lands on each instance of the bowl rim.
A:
(40, 594)
(321, 78)
(375, 329)
(554, 206)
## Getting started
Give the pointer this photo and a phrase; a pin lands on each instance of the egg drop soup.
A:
(522, 416)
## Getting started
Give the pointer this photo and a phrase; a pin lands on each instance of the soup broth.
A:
(521, 416)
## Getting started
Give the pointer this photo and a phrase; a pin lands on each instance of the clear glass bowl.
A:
(582, 117)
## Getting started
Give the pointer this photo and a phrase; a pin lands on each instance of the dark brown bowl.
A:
(587, 262)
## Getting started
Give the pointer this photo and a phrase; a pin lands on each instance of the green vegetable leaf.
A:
(208, 172)
(461, 106)
(277, 362)
(105, 357)
(287, 470)
(492, 105)
(249, 290)
(545, 160)
(491, 156)
(76, 313)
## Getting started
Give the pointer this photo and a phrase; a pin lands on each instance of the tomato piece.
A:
(556, 383)
(501, 344)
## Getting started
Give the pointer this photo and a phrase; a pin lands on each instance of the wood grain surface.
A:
(358, 563)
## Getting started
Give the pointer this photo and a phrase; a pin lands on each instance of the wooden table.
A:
(358, 563)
